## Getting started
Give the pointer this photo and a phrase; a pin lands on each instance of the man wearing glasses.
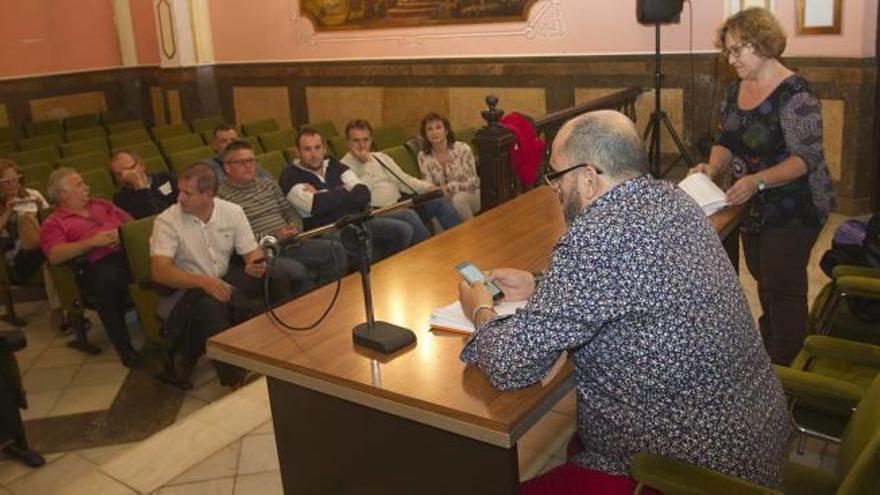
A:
(141, 194)
(642, 297)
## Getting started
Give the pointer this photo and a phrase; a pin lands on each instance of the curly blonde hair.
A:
(757, 27)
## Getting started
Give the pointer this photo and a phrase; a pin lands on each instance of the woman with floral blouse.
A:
(450, 165)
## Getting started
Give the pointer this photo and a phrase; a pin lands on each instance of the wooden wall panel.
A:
(58, 107)
(261, 102)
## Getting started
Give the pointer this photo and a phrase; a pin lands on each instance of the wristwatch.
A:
(761, 184)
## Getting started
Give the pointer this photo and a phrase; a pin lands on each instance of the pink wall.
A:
(47, 36)
(571, 27)
(144, 23)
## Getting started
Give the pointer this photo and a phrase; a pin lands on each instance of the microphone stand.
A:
(379, 336)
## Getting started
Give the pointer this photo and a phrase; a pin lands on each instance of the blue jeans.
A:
(443, 211)
(420, 232)
(325, 257)
(390, 235)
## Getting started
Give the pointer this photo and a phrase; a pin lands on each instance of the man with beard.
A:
(642, 297)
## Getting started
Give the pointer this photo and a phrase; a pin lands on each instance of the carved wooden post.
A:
(493, 157)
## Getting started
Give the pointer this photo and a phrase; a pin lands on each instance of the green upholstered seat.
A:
(84, 134)
(254, 142)
(48, 155)
(176, 144)
(278, 140)
(40, 142)
(100, 183)
(155, 164)
(38, 173)
(161, 132)
(326, 128)
(337, 146)
(257, 127)
(144, 150)
(388, 136)
(98, 144)
(136, 242)
(466, 135)
(402, 156)
(180, 161)
(207, 124)
(88, 161)
(6, 149)
(124, 126)
(831, 313)
(273, 162)
(10, 133)
(83, 121)
(129, 138)
(46, 127)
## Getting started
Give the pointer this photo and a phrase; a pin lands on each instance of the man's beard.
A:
(572, 208)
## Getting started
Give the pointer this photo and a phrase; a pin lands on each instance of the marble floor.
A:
(220, 442)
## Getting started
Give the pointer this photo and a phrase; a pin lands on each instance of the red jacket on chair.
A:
(527, 152)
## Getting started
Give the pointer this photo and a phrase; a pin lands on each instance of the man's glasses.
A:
(244, 161)
(552, 178)
(735, 50)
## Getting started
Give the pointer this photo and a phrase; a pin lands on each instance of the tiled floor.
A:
(224, 443)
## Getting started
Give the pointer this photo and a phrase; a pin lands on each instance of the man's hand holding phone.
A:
(517, 285)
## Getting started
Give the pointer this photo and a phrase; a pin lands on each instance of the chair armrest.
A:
(849, 351)
(859, 285)
(675, 477)
(855, 270)
(818, 389)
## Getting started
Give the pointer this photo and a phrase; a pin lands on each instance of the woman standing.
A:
(770, 136)
(450, 165)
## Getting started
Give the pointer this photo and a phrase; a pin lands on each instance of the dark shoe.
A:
(24, 454)
(130, 357)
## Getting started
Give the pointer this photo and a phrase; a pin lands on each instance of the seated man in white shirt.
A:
(386, 181)
(190, 250)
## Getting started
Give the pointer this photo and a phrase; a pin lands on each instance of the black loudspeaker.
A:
(658, 11)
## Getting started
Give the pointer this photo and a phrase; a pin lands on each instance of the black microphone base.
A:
(384, 337)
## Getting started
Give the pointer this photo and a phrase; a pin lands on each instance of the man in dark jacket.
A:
(141, 194)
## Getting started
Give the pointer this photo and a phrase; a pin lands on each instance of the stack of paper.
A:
(709, 196)
(451, 318)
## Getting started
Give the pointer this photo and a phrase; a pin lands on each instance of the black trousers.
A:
(104, 284)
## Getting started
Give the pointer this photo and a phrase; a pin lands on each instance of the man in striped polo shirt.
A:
(269, 213)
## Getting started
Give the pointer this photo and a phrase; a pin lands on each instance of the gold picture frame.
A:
(818, 16)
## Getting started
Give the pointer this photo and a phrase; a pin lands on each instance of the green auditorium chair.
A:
(40, 142)
(155, 164)
(49, 155)
(326, 128)
(10, 134)
(89, 161)
(388, 136)
(6, 149)
(830, 313)
(109, 118)
(273, 162)
(37, 172)
(254, 142)
(72, 305)
(337, 146)
(84, 121)
(135, 237)
(129, 138)
(258, 127)
(161, 132)
(466, 135)
(100, 183)
(94, 145)
(180, 161)
(124, 126)
(144, 150)
(283, 141)
(85, 134)
(856, 472)
(207, 124)
(176, 144)
(44, 128)
(402, 156)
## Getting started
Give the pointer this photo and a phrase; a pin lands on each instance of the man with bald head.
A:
(642, 297)
(140, 194)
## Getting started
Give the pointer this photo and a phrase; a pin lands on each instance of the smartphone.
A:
(473, 275)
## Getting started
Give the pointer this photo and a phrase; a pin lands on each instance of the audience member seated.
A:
(89, 227)
(323, 190)
(223, 135)
(640, 293)
(269, 213)
(386, 180)
(141, 194)
(190, 251)
(450, 165)
(19, 223)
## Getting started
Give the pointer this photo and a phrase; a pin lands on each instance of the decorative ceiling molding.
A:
(545, 22)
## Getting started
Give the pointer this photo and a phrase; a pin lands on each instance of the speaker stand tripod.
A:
(658, 117)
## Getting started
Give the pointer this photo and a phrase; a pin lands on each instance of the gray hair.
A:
(609, 141)
(57, 182)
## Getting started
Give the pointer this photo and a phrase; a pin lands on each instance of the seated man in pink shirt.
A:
(89, 227)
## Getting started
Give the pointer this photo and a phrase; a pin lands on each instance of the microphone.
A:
(420, 199)
(269, 243)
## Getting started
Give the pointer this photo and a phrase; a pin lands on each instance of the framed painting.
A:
(818, 16)
(328, 15)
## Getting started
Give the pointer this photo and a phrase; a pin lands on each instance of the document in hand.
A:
(452, 319)
(706, 193)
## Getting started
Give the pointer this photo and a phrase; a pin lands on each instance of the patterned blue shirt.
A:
(667, 359)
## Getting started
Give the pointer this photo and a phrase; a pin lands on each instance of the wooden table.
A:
(418, 421)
